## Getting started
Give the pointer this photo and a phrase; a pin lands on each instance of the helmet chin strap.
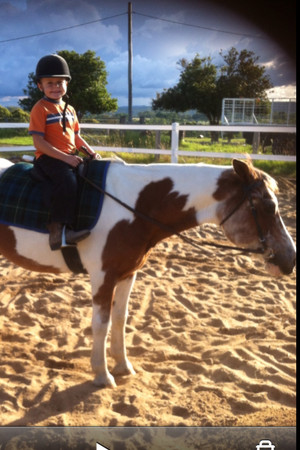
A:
(64, 112)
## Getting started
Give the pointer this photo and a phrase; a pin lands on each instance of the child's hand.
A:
(74, 160)
(90, 153)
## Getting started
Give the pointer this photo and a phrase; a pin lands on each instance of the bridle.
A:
(247, 195)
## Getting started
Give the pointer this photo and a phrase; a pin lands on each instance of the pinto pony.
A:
(164, 199)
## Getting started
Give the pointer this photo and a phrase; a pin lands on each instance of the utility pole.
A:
(129, 62)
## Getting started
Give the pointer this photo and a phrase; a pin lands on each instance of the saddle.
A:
(22, 204)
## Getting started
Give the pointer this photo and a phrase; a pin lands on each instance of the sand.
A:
(210, 334)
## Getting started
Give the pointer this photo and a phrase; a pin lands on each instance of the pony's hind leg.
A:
(119, 317)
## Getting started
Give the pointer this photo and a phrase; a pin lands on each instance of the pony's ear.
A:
(243, 170)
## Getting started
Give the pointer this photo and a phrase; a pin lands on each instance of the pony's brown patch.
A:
(129, 242)
(8, 249)
(231, 182)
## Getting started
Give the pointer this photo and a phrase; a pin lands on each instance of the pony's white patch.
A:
(36, 247)
(4, 164)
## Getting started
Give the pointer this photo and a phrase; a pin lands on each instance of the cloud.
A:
(285, 91)
(280, 69)
(152, 26)
(149, 76)
(10, 100)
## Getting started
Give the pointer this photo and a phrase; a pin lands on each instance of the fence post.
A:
(255, 142)
(157, 144)
(174, 142)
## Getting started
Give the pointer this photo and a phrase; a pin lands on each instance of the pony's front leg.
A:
(100, 328)
(119, 316)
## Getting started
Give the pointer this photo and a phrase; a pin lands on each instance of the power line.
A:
(61, 29)
(123, 14)
(198, 26)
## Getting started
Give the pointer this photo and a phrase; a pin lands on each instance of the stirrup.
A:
(64, 240)
(70, 238)
(63, 237)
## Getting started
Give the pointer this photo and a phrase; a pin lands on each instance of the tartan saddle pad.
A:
(21, 198)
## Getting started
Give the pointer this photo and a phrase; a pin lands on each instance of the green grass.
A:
(14, 137)
(277, 168)
(222, 146)
(16, 140)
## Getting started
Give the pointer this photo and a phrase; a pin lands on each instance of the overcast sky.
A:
(164, 31)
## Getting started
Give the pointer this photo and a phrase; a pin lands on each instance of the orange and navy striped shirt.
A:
(46, 119)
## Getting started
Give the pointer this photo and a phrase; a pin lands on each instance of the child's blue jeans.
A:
(60, 192)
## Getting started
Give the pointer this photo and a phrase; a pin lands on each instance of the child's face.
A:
(54, 88)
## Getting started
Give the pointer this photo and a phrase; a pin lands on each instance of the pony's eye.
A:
(269, 206)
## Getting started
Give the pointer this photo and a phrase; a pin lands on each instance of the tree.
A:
(202, 86)
(18, 115)
(4, 114)
(87, 89)
(32, 94)
(242, 76)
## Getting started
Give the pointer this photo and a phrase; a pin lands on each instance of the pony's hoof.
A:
(104, 381)
(124, 369)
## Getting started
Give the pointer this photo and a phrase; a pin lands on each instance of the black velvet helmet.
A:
(52, 66)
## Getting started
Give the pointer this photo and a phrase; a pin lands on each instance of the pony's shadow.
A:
(59, 403)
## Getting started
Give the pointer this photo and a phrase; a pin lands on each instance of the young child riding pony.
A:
(55, 131)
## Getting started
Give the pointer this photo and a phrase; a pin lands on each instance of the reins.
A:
(172, 230)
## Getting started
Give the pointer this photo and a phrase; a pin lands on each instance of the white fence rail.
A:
(175, 128)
